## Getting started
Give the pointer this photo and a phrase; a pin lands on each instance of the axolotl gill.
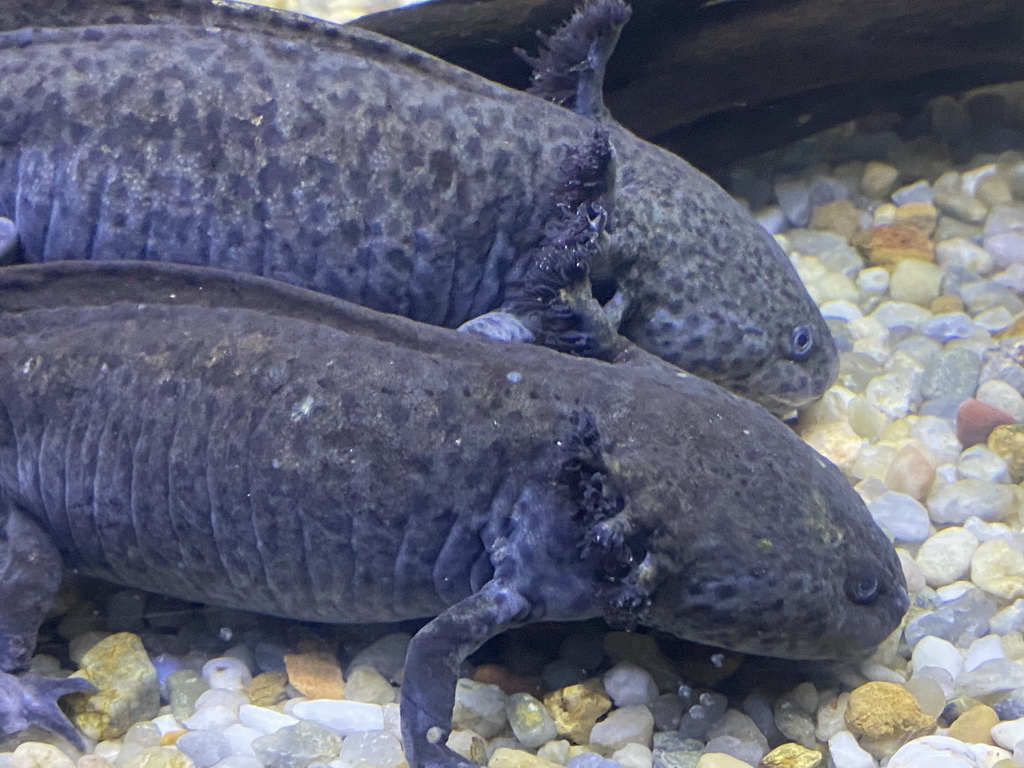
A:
(329, 157)
(225, 438)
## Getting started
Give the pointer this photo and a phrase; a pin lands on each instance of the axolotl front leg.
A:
(432, 663)
(30, 572)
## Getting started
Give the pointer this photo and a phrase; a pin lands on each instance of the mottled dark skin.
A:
(229, 439)
(328, 157)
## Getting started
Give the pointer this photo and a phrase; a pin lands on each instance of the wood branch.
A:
(724, 79)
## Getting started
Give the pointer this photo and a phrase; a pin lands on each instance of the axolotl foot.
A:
(29, 699)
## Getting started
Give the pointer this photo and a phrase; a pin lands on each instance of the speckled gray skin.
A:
(338, 160)
(234, 440)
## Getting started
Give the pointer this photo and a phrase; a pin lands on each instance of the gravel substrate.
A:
(910, 235)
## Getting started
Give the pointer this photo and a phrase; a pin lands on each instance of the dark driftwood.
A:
(728, 78)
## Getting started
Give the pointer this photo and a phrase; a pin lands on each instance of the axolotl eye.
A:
(801, 342)
(862, 587)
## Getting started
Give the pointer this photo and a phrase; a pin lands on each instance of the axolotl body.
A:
(239, 441)
(332, 158)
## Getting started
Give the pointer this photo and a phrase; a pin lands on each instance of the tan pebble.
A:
(33, 754)
(921, 215)
(911, 473)
(840, 216)
(882, 710)
(878, 179)
(1015, 330)
(946, 303)
(916, 282)
(170, 738)
(576, 708)
(468, 744)
(556, 750)
(1007, 442)
(911, 571)
(93, 761)
(267, 689)
(998, 568)
(504, 757)
(720, 760)
(496, 674)
(128, 691)
(792, 756)
(976, 420)
(975, 725)
(994, 190)
(889, 244)
(315, 674)
(158, 757)
(837, 442)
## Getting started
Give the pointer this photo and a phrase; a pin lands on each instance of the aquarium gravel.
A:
(910, 235)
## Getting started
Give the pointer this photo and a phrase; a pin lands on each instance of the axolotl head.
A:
(709, 290)
(742, 537)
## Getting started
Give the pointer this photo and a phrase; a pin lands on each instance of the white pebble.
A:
(995, 319)
(226, 672)
(1009, 733)
(961, 252)
(998, 568)
(979, 463)
(1009, 619)
(841, 310)
(938, 653)
(946, 556)
(1003, 396)
(376, 749)
(479, 707)
(34, 754)
(982, 650)
(264, 719)
(911, 571)
(955, 502)
(393, 720)
(634, 756)
(990, 678)
(241, 738)
(955, 591)
(628, 725)
(240, 761)
(343, 717)
(901, 314)
(902, 516)
(845, 752)
(216, 716)
(873, 280)
(167, 723)
(934, 751)
(629, 685)
(938, 436)
(892, 394)
(949, 325)
(918, 192)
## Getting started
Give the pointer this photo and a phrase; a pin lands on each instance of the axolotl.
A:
(332, 158)
(234, 440)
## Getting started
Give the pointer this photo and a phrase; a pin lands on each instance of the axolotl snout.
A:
(235, 440)
(331, 158)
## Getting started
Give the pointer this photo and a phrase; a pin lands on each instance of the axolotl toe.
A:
(332, 158)
(155, 420)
